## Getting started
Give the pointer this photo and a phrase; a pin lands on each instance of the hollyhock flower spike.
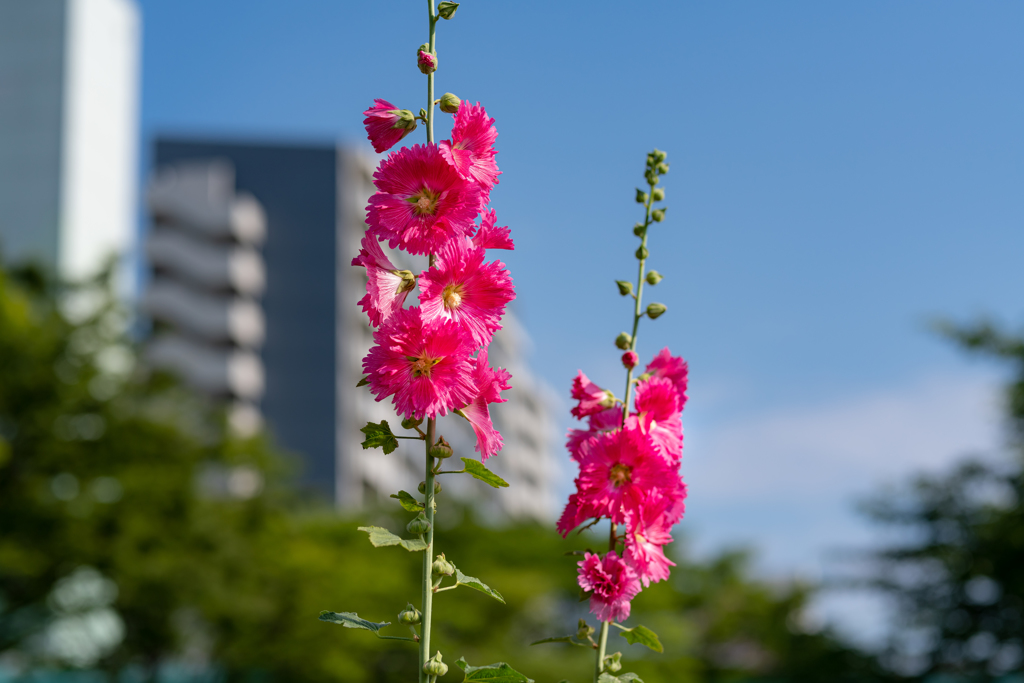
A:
(612, 585)
(462, 288)
(422, 203)
(592, 398)
(386, 124)
(426, 367)
(489, 385)
(471, 149)
(489, 236)
(386, 287)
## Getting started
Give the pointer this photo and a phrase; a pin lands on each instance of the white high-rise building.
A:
(69, 92)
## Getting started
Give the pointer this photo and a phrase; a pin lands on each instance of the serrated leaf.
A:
(478, 471)
(644, 636)
(363, 382)
(492, 673)
(407, 501)
(353, 620)
(379, 436)
(621, 678)
(473, 582)
(562, 639)
(382, 538)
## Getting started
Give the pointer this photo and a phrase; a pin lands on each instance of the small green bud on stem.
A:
(426, 61)
(442, 567)
(446, 10)
(658, 215)
(418, 526)
(422, 488)
(641, 196)
(623, 341)
(441, 449)
(654, 277)
(450, 103)
(658, 194)
(435, 667)
(625, 288)
(613, 663)
(655, 310)
(410, 423)
(639, 229)
(584, 630)
(642, 253)
(410, 616)
(662, 168)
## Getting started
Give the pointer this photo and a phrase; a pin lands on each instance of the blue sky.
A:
(842, 173)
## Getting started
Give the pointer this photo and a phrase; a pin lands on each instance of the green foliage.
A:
(621, 678)
(407, 501)
(381, 538)
(475, 583)
(492, 673)
(353, 620)
(478, 471)
(644, 636)
(379, 436)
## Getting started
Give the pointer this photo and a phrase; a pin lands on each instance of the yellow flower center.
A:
(424, 202)
(452, 296)
(421, 366)
(620, 474)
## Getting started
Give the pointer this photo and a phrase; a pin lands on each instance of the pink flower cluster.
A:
(431, 359)
(629, 474)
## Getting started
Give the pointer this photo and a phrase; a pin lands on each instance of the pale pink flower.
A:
(617, 470)
(489, 384)
(422, 202)
(489, 236)
(426, 367)
(386, 125)
(471, 149)
(386, 287)
(630, 359)
(658, 405)
(592, 398)
(648, 530)
(673, 368)
(612, 584)
(462, 288)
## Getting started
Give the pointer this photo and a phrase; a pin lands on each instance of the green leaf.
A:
(381, 538)
(353, 620)
(480, 472)
(644, 636)
(622, 678)
(473, 582)
(379, 436)
(363, 382)
(562, 639)
(407, 501)
(492, 673)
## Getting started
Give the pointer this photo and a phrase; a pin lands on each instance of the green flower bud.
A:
(410, 616)
(435, 667)
(623, 341)
(426, 61)
(642, 253)
(625, 288)
(408, 277)
(410, 423)
(654, 277)
(446, 10)
(422, 488)
(449, 102)
(651, 177)
(613, 663)
(641, 196)
(418, 526)
(655, 310)
(662, 168)
(658, 155)
(584, 630)
(441, 449)
(442, 567)
(644, 377)
(423, 113)
(658, 215)
(658, 193)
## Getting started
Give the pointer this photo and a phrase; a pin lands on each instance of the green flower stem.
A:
(426, 609)
(430, 76)
(602, 647)
(638, 312)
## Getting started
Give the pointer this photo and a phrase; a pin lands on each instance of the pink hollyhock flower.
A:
(471, 149)
(570, 516)
(386, 124)
(648, 530)
(617, 471)
(426, 62)
(599, 423)
(592, 398)
(630, 359)
(612, 584)
(386, 287)
(422, 202)
(658, 406)
(489, 236)
(462, 288)
(673, 368)
(425, 366)
(489, 385)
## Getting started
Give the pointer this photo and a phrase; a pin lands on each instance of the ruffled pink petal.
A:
(380, 126)
(489, 236)
(659, 404)
(385, 293)
(422, 203)
(672, 368)
(592, 398)
(489, 384)
(649, 530)
(462, 288)
(471, 149)
(612, 584)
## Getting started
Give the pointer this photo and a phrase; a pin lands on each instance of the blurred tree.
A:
(139, 539)
(956, 568)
